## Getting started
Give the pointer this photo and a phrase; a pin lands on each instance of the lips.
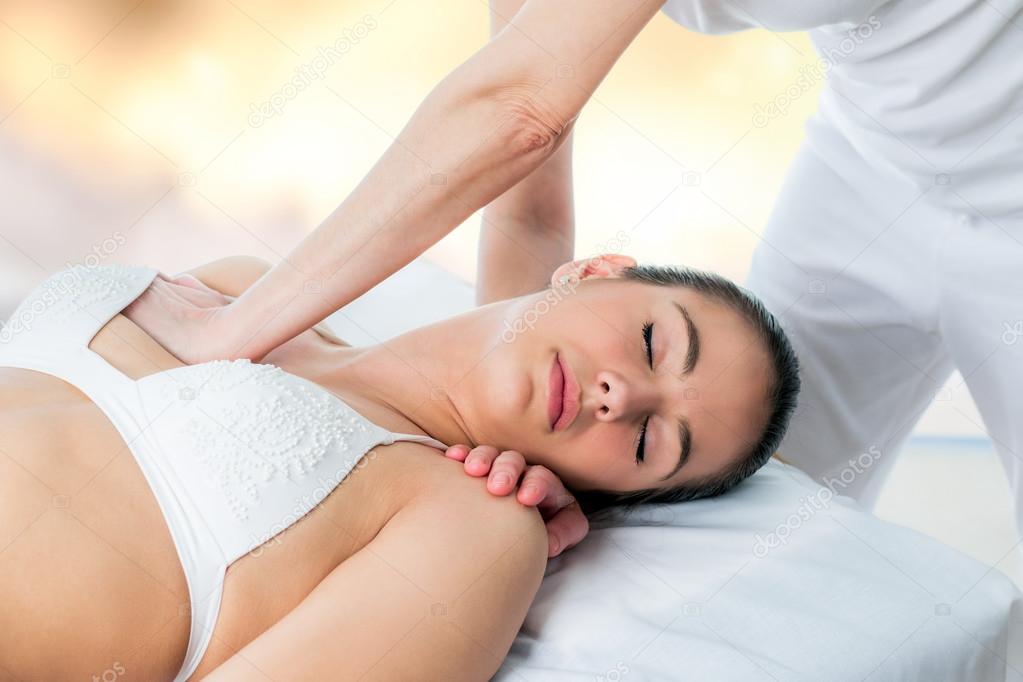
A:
(563, 395)
(555, 392)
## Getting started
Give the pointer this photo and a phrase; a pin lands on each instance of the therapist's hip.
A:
(847, 265)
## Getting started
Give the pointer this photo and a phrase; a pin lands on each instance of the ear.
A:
(605, 265)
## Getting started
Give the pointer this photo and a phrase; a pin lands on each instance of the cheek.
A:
(592, 325)
(577, 317)
(597, 458)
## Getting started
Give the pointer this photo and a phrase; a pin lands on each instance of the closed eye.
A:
(648, 335)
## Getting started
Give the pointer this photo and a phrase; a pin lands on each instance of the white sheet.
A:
(778, 580)
(703, 597)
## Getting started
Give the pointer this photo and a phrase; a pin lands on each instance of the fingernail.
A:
(529, 488)
(502, 479)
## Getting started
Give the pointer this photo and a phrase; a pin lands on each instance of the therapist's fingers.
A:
(540, 487)
(477, 461)
(505, 472)
(175, 292)
(566, 523)
(195, 291)
(565, 529)
(457, 452)
(480, 459)
(170, 314)
(189, 280)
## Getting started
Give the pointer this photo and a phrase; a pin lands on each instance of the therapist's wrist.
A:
(227, 338)
(268, 313)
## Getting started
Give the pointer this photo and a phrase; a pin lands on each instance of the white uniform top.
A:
(930, 90)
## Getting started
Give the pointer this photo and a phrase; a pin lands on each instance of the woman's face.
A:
(705, 393)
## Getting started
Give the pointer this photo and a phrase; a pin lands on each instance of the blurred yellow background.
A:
(138, 117)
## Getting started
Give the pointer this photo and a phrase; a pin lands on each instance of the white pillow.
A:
(777, 580)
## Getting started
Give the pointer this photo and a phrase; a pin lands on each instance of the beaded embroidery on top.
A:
(69, 292)
(272, 427)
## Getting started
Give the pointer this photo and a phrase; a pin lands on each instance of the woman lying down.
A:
(291, 519)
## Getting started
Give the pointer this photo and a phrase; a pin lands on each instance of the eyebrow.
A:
(693, 354)
(685, 434)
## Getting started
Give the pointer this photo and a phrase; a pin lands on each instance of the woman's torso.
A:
(87, 562)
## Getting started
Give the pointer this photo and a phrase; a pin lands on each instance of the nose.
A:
(618, 397)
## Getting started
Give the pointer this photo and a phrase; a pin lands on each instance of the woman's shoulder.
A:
(388, 478)
(410, 466)
(418, 474)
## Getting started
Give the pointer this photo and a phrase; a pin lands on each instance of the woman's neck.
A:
(410, 383)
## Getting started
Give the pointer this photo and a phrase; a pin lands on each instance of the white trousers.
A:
(883, 295)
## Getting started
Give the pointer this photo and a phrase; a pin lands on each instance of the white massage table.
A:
(777, 580)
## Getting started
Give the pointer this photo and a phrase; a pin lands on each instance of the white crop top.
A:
(235, 452)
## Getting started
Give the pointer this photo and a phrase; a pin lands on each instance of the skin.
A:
(438, 380)
(493, 122)
(597, 330)
(507, 471)
(485, 127)
(441, 380)
(88, 565)
(394, 522)
(497, 130)
(525, 232)
(529, 230)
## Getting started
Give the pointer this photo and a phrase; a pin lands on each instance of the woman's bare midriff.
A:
(91, 581)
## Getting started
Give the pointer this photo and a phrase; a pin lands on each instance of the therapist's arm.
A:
(486, 126)
(530, 229)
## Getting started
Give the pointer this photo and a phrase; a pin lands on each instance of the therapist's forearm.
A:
(528, 231)
(465, 144)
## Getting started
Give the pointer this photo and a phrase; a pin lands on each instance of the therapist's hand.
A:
(181, 314)
(540, 487)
